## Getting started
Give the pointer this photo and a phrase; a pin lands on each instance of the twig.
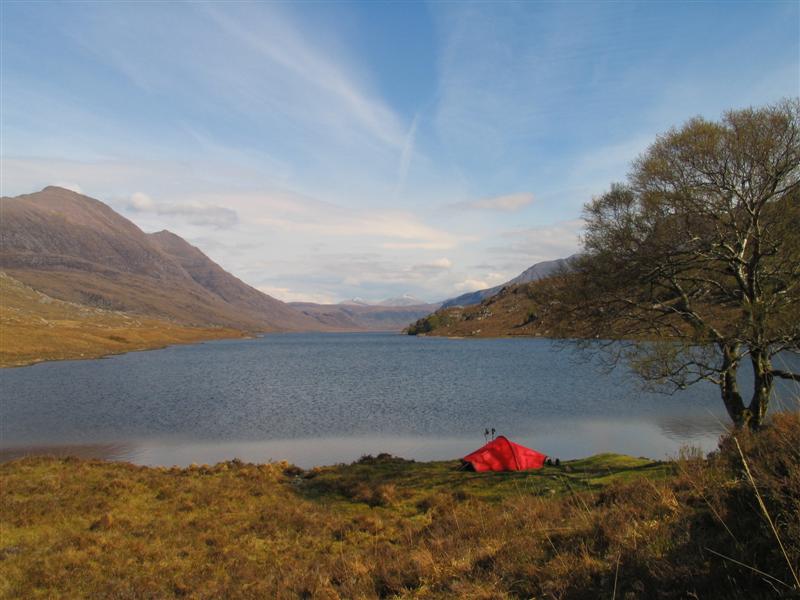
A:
(616, 574)
(741, 564)
(766, 514)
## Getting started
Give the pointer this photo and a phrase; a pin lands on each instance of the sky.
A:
(323, 151)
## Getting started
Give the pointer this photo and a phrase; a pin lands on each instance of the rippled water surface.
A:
(325, 398)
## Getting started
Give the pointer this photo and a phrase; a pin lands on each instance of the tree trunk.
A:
(729, 388)
(762, 387)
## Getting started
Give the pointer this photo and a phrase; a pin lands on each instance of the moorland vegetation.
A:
(725, 526)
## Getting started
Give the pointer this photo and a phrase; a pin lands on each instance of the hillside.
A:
(525, 309)
(36, 327)
(536, 272)
(365, 317)
(77, 249)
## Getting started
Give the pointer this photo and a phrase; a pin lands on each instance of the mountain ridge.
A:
(535, 272)
(78, 249)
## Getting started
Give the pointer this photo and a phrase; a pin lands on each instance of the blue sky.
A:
(328, 150)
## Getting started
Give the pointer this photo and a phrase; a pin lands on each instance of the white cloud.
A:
(417, 245)
(433, 268)
(391, 229)
(141, 201)
(542, 243)
(193, 213)
(489, 281)
(287, 295)
(471, 285)
(507, 203)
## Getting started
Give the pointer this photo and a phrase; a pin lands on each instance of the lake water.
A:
(327, 398)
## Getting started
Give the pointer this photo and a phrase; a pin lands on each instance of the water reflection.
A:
(565, 439)
(120, 452)
(688, 428)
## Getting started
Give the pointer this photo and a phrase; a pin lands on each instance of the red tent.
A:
(503, 455)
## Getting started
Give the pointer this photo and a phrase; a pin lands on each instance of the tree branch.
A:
(785, 374)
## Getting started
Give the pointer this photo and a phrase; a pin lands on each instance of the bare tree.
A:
(695, 260)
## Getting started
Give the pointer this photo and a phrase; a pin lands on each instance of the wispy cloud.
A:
(193, 213)
(507, 203)
(276, 40)
(405, 156)
(541, 243)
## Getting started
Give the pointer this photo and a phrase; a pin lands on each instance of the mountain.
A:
(404, 300)
(518, 309)
(538, 271)
(354, 302)
(77, 249)
(364, 317)
(37, 327)
(542, 269)
(232, 290)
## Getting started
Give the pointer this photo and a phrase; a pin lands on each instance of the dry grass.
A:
(526, 309)
(389, 528)
(35, 327)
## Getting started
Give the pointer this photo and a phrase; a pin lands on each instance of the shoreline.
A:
(102, 354)
(234, 334)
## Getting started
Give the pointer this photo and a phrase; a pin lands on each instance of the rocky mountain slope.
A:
(533, 273)
(77, 249)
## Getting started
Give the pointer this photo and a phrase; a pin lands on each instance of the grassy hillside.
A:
(537, 309)
(517, 310)
(604, 527)
(35, 327)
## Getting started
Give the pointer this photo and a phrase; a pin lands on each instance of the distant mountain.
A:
(404, 300)
(361, 317)
(538, 271)
(76, 248)
(542, 270)
(354, 302)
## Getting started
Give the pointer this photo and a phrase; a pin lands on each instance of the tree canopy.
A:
(695, 259)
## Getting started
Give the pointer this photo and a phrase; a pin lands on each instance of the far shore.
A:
(18, 355)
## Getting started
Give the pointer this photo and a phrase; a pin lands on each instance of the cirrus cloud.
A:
(506, 203)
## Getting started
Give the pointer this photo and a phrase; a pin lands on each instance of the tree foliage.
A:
(696, 257)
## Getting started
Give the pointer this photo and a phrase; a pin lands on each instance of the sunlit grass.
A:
(386, 527)
(35, 327)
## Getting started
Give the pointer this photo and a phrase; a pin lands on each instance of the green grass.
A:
(413, 481)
